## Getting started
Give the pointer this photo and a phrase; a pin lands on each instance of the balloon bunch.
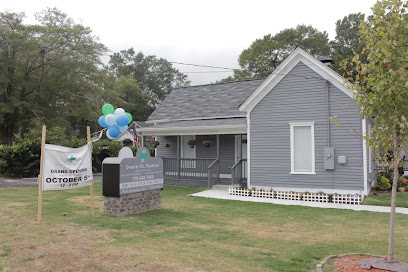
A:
(115, 120)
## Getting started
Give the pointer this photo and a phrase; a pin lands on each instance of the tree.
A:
(347, 42)
(264, 55)
(381, 86)
(48, 72)
(154, 75)
(132, 98)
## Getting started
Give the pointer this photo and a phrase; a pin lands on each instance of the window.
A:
(302, 148)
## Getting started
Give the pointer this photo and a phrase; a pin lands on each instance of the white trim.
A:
(364, 125)
(198, 130)
(236, 144)
(370, 156)
(285, 67)
(248, 149)
(192, 119)
(310, 190)
(292, 150)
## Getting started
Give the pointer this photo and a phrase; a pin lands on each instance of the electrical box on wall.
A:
(342, 160)
(329, 158)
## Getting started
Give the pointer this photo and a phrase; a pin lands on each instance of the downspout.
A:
(328, 113)
(328, 122)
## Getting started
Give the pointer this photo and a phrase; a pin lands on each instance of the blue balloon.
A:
(102, 122)
(107, 135)
(122, 121)
(114, 131)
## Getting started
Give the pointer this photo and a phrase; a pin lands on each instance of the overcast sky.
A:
(211, 32)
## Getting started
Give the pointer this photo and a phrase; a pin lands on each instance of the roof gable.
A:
(205, 101)
(298, 55)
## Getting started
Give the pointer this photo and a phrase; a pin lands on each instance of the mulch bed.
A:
(349, 264)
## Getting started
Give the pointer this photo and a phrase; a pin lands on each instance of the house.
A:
(127, 137)
(267, 133)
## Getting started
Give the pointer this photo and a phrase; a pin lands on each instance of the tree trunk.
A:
(390, 256)
(8, 134)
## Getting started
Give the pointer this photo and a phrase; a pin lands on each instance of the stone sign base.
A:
(133, 203)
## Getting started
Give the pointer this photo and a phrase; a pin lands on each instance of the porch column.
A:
(240, 146)
(240, 156)
(143, 141)
(218, 155)
(178, 156)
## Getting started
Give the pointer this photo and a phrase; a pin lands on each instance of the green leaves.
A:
(155, 76)
(264, 55)
(380, 85)
(48, 72)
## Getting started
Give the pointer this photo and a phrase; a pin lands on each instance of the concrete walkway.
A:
(222, 193)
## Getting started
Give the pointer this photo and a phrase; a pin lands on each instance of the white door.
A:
(188, 152)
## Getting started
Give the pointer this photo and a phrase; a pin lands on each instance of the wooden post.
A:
(218, 156)
(44, 129)
(88, 135)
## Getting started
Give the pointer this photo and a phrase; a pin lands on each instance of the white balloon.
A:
(123, 129)
(119, 112)
(110, 120)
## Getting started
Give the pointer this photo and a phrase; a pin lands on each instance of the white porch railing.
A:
(239, 171)
(183, 168)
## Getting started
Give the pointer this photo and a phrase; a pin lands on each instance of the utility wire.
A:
(207, 66)
(208, 72)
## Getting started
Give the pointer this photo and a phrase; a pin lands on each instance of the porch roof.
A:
(235, 125)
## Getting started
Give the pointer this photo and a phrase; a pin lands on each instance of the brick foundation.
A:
(133, 203)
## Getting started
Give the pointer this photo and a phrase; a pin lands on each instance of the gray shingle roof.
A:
(214, 100)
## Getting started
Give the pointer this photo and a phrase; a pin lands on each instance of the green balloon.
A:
(129, 116)
(108, 109)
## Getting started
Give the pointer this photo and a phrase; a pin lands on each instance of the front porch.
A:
(203, 152)
(202, 172)
(199, 165)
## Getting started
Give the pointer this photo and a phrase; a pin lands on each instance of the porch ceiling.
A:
(197, 127)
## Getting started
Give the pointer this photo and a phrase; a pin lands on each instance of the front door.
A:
(188, 152)
(244, 148)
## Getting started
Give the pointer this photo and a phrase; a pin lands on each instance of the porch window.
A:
(302, 148)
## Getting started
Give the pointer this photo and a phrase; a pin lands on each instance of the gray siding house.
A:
(267, 133)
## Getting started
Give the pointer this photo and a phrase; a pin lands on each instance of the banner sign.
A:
(141, 173)
(66, 168)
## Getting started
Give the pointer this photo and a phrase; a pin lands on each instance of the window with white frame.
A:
(302, 148)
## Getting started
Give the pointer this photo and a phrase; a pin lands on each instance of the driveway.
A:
(30, 182)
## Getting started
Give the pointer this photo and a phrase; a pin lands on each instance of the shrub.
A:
(383, 182)
(103, 149)
(21, 159)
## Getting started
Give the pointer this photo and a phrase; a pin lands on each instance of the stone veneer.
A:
(133, 203)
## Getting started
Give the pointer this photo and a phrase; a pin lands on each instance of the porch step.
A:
(220, 187)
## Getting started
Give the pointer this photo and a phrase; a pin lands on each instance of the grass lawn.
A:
(186, 234)
(384, 199)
